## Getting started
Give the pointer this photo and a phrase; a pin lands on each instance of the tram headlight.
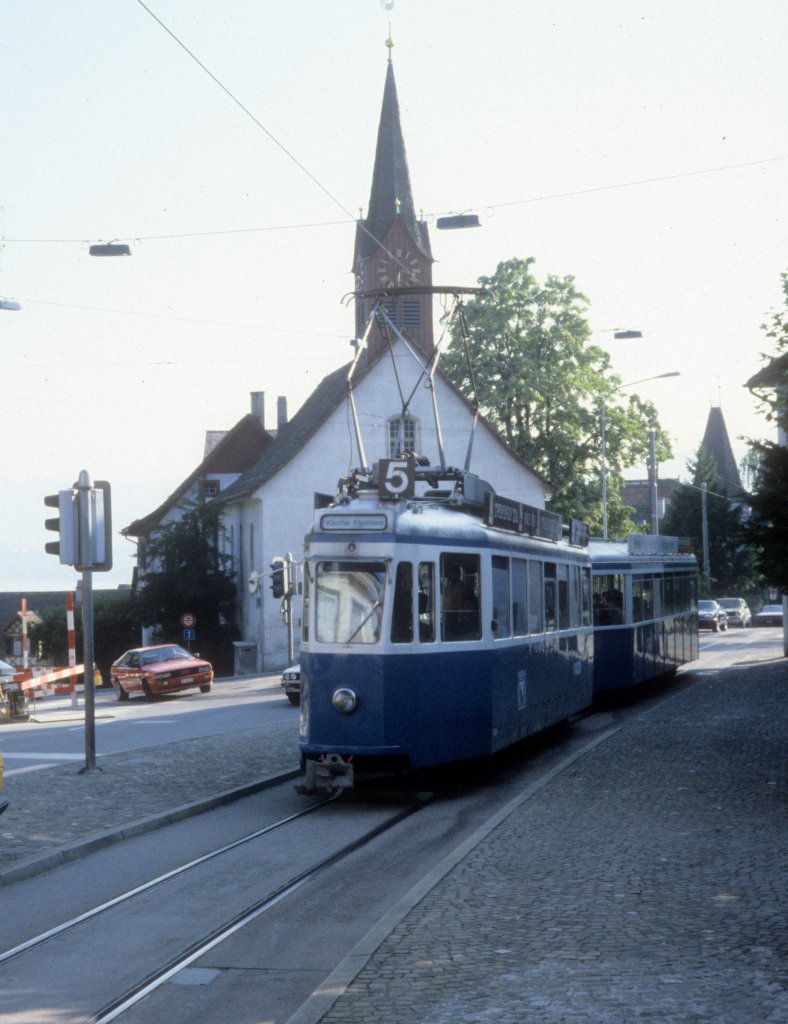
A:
(344, 700)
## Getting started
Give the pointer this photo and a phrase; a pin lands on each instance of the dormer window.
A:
(210, 488)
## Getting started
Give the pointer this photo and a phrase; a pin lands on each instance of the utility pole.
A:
(705, 529)
(652, 477)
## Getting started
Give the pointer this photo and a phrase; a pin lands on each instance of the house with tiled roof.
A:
(773, 379)
(270, 507)
(226, 455)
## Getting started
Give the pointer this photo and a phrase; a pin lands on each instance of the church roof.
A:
(718, 445)
(328, 396)
(236, 449)
(391, 194)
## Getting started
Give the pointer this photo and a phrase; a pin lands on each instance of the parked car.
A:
(165, 668)
(770, 615)
(291, 682)
(737, 610)
(711, 616)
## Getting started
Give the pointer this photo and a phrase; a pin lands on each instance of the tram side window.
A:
(402, 609)
(550, 598)
(585, 584)
(670, 606)
(657, 606)
(501, 597)
(535, 596)
(608, 599)
(563, 596)
(519, 597)
(307, 602)
(642, 598)
(426, 600)
(460, 619)
(577, 597)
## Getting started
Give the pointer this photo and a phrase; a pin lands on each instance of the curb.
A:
(99, 841)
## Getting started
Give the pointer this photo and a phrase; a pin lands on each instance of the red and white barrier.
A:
(50, 683)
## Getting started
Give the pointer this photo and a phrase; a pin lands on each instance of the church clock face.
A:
(401, 269)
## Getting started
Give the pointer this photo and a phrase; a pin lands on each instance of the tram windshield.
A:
(349, 601)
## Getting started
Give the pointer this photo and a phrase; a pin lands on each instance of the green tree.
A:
(185, 571)
(116, 628)
(767, 528)
(543, 386)
(731, 562)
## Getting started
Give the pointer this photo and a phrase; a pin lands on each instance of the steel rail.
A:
(214, 938)
(124, 897)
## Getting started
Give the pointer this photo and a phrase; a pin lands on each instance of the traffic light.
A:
(84, 525)
(278, 577)
(66, 524)
(101, 526)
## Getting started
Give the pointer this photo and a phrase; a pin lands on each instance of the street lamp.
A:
(631, 384)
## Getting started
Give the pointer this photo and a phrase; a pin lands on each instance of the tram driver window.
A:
(460, 619)
(402, 609)
(426, 600)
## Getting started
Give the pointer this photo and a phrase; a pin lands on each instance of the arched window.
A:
(402, 436)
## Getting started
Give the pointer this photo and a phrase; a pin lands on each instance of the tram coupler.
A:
(330, 773)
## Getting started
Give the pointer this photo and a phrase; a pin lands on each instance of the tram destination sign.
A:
(514, 516)
(352, 522)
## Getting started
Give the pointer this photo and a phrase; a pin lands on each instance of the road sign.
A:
(188, 620)
(189, 634)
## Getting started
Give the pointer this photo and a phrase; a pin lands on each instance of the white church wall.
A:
(282, 510)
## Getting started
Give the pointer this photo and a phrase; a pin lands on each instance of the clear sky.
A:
(639, 146)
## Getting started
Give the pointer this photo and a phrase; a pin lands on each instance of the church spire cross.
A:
(390, 44)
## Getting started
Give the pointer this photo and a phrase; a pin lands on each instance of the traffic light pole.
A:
(85, 488)
(84, 527)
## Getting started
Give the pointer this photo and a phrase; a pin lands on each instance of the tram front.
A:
(344, 711)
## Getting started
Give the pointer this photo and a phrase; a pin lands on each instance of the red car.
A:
(167, 668)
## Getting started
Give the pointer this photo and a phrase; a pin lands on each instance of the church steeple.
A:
(718, 445)
(390, 195)
(392, 245)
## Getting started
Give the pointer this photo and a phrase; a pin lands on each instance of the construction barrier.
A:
(50, 683)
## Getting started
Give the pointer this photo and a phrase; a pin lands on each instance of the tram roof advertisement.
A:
(514, 516)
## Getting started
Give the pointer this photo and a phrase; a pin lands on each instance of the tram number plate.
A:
(397, 478)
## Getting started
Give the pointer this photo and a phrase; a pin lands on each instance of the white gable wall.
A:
(282, 510)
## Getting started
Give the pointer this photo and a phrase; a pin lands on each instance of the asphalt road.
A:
(56, 730)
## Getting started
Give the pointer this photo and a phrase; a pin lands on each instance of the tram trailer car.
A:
(645, 610)
(431, 635)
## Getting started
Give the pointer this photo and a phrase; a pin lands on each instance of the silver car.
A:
(291, 683)
(737, 611)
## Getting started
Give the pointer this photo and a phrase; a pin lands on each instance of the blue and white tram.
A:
(645, 610)
(437, 630)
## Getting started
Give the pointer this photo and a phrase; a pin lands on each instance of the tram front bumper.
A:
(328, 773)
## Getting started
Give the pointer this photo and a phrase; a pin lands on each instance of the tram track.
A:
(265, 875)
(124, 897)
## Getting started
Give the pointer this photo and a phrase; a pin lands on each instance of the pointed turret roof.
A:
(391, 194)
(718, 445)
